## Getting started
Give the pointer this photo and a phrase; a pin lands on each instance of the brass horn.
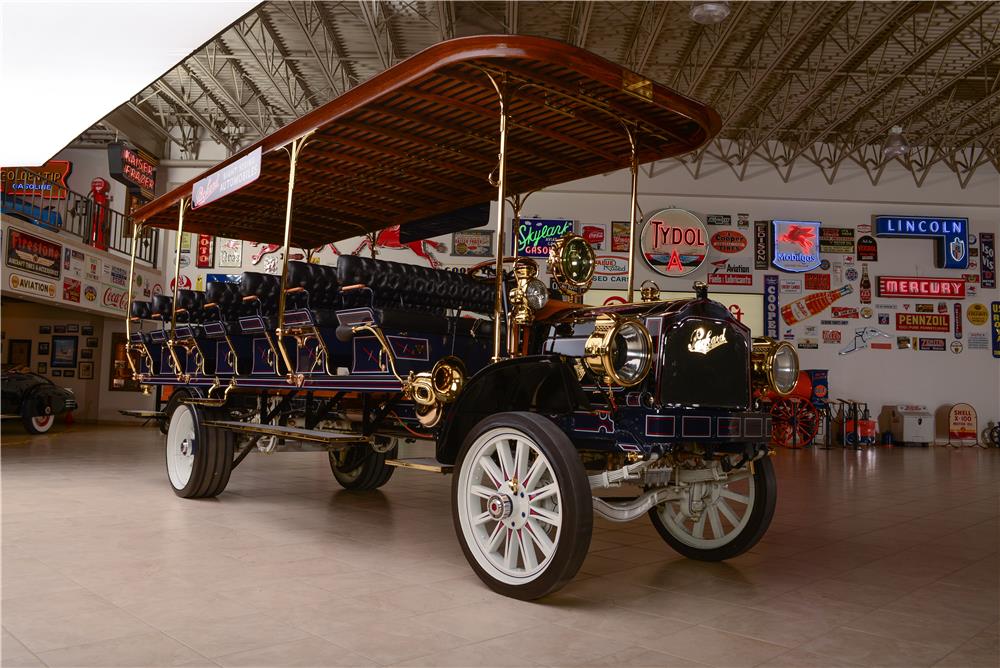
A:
(431, 390)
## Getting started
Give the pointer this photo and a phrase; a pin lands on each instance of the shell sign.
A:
(674, 242)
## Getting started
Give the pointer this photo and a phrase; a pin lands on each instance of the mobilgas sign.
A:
(952, 235)
(796, 245)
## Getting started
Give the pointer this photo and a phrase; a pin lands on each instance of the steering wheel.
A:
(476, 271)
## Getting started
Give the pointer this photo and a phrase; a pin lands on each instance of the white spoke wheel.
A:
(199, 459)
(521, 505)
(713, 521)
(359, 468)
(36, 424)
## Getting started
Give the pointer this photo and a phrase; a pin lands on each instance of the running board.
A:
(311, 435)
(148, 415)
(421, 464)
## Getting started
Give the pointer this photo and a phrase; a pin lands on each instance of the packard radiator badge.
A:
(704, 342)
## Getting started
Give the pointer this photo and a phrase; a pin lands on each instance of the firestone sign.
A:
(952, 235)
(674, 242)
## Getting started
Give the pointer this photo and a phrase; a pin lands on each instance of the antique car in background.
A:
(34, 399)
(536, 403)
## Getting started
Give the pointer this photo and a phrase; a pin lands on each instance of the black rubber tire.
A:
(170, 407)
(766, 496)
(577, 504)
(213, 460)
(362, 468)
(29, 411)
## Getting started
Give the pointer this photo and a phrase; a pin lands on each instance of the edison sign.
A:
(796, 245)
(674, 242)
(951, 234)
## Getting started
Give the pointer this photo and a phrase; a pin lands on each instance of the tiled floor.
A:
(878, 558)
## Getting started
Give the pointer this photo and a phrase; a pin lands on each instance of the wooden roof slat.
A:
(421, 139)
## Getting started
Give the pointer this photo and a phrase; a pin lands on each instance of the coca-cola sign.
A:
(115, 298)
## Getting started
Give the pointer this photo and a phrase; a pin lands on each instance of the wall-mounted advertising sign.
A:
(995, 328)
(987, 261)
(47, 181)
(205, 258)
(796, 245)
(674, 242)
(229, 179)
(867, 249)
(761, 256)
(918, 287)
(951, 236)
(771, 283)
(133, 167)
(933, 344)
(836, 240)
(923, 322)
(729, 241)
(536, 235)
(30, 253)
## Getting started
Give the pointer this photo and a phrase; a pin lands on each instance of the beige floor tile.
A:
(982, 651)
(797, 658)
(393, 643)
(551, 644)
(13, 654)
(40, 634)
(476, 623)
(681, 607)
(150, 649)
(309, 652)
(871, 650)
(718, 648)
(640, 657)
(218, 637)
(779, 629)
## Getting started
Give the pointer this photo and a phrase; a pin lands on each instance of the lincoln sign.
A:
(913, 286)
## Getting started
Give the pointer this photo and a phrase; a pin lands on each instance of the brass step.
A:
(312, 435)
(421, 464)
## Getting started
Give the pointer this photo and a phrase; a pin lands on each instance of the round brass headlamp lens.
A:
(572, 263)
(775, 365)
(619, 351)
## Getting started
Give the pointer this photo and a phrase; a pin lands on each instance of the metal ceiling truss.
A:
(810, 83)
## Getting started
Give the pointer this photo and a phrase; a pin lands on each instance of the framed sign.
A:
(64, 352)
(796, 245)
(987, 261)
(120, 374)
(205, 254)
(27, 252)
(674, 242)
(230, 253)
(472, 243)
(19, 352)
(836, 240)
(923, 322)
(47, 181)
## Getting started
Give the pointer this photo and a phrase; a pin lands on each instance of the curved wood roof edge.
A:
(447, 53)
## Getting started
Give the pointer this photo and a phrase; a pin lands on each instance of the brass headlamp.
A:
(774, 365)
(619, 351)
(529, 294)
(572, 263)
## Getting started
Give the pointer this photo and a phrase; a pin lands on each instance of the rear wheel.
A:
(361, 468)
(199, 459)
(172, 403)
(521, 505)
(716, 520)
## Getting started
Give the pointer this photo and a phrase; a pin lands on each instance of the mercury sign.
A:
(951, 234)
(796, 245)
(674, 242)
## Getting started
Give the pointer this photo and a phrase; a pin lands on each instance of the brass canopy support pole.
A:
(177, 284)
(293, 149)
(501, 185)
(136, 227)
(633, 140)
(514, 330)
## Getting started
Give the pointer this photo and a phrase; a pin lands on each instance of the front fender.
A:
(544, 384)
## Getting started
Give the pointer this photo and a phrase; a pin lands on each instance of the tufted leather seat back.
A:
(319, 282)
(161, 307)
(193, 303)
(263, 286)
(395, 284)
(228, 299)
(142, 310)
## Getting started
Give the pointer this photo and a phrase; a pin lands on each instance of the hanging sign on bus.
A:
(227, 180)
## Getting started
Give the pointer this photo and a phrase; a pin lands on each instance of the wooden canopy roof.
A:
(421, 138)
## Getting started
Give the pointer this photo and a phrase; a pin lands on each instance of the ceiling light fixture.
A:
(707, 12)
(895, 145)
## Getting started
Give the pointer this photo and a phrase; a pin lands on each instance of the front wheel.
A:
(199, 458)
(717, 520)
(521, 505)
(37, 424)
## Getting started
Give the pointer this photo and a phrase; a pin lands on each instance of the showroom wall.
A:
(887, 374)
